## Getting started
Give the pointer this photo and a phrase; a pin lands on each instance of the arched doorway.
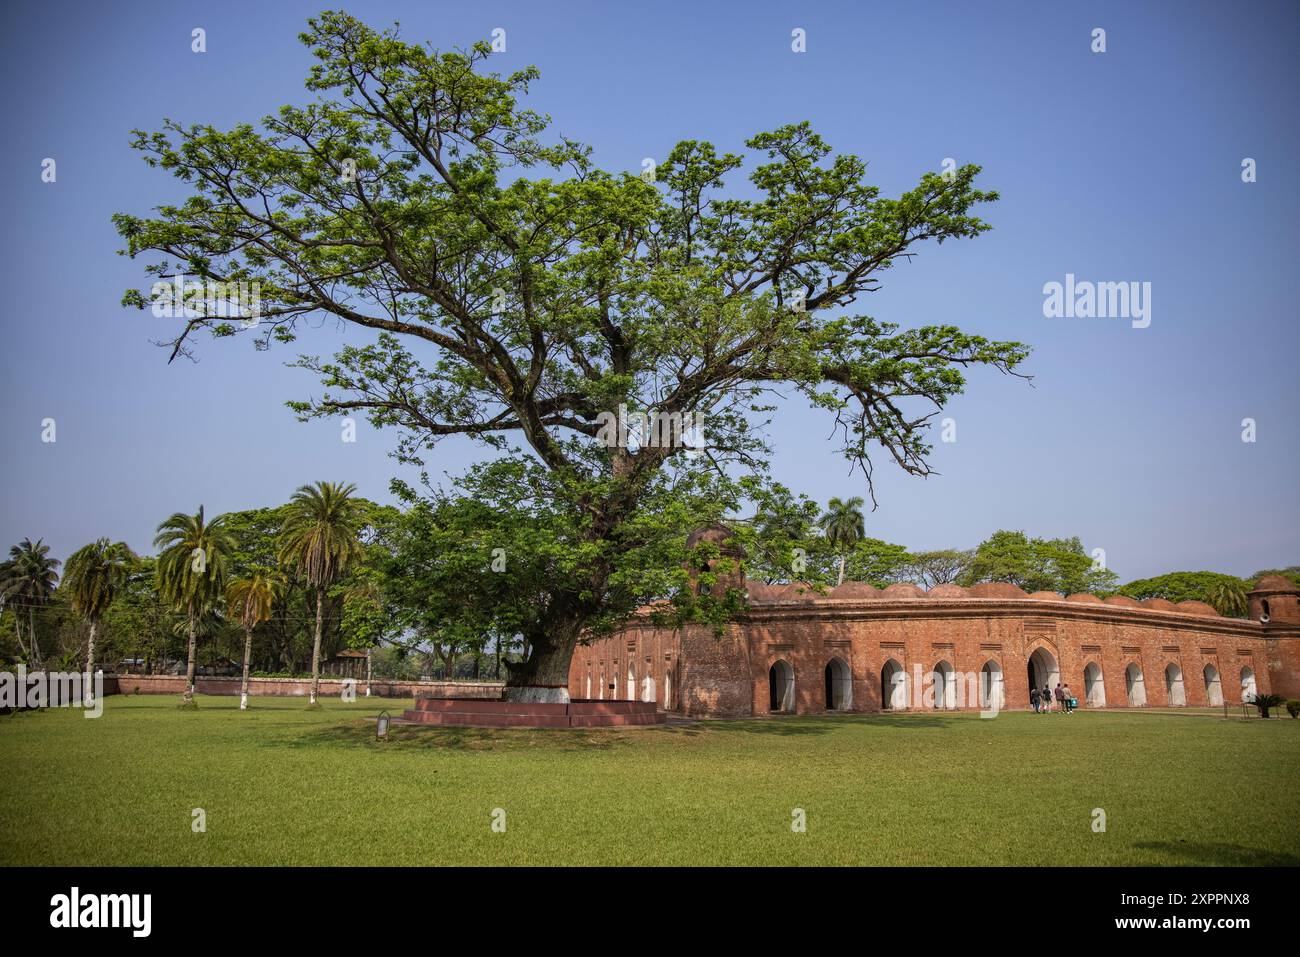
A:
(945, 689)
(893, 686)
(991, 696)
(1044, 672)
(1094, 686)
(839, 685)
(1213, 686)
(631, 679)
(1247, 685)
(780, 680)
(1136, 687)
(1175, 694)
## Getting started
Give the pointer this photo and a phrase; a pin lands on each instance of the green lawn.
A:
(283, 785)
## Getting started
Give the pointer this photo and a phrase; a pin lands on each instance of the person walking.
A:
(1060, 700)
(1036, 699)
(1070, 702)
(1047, 699)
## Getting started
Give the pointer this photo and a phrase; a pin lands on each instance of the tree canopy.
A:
(521, 296)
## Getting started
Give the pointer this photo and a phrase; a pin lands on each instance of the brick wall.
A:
(1075, 636)
(296, 687)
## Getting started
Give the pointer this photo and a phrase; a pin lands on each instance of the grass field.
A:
(283, 785)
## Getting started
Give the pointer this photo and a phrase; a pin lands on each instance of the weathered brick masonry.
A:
(864, 649)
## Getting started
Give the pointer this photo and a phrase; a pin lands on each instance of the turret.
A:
(1275, 599)
(727, 566)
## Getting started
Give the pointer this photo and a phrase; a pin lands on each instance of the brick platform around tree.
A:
(479, 713)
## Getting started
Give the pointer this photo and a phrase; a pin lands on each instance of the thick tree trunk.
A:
(188, 697)
(315, 647)
(243, 684)
(544, 675)
(88, 694)
(841, 570)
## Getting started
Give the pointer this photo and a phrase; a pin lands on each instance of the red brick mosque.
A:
(863, 649)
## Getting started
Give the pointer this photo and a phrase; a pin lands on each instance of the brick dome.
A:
(997, 590)
(1159, 604)
(948, 591)
(1275, 583)
(902, 590)
(855, 590)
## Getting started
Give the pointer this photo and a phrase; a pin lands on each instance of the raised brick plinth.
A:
(478, 713)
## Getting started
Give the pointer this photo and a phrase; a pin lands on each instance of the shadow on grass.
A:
(361, 734)
(811, 724)
(1224, 855)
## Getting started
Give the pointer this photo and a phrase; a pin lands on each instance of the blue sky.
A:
(1120, 166)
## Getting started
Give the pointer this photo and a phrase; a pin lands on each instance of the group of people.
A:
(1042, 700)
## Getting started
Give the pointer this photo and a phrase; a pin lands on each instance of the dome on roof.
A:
(714, 533)
(794, 591)
(1084, 596)
(1159, 604)
(1122, 600)
(855, 590)
(1196, 608)
(948, 590)
(1275, 583)
(1046, 596)
(902, 590)
(997, 590)
(761, 591)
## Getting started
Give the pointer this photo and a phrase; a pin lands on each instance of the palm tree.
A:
(321, 538)
(95, 573)
(844, 526)
(28, 576)
(191, 572)
(1228, 598)
(249, 601)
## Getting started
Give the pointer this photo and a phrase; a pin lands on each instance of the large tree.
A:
(1037, 564)
(521, 296)
(94, 576)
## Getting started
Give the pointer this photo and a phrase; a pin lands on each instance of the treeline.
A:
(445, 587)
(266, 582)
(791, 539)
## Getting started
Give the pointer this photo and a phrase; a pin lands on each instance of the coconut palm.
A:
(27, 579)
(94, 575)
(1228, 598)
(844, 526)
(321, 538)
(249, 602)
(191, 573)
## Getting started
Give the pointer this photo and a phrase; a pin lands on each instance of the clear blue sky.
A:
(1116, 166)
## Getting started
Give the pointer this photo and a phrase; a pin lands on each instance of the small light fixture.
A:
(381, 727)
